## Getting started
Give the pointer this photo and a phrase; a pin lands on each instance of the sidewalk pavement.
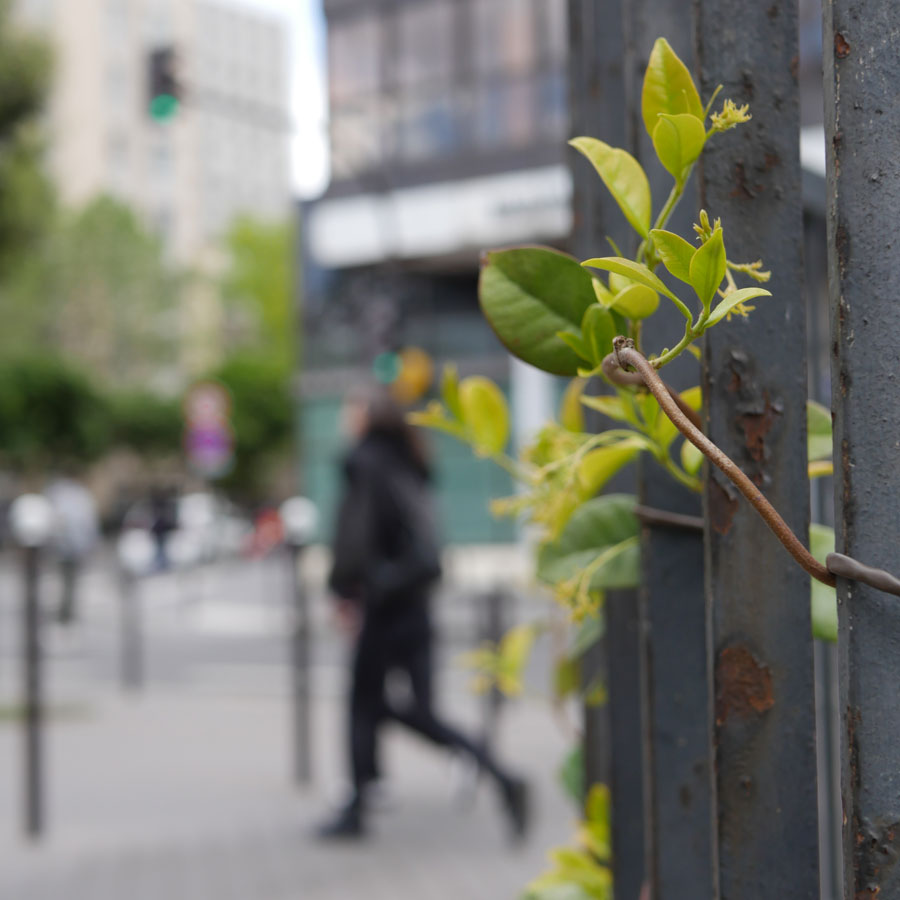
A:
(179, 795)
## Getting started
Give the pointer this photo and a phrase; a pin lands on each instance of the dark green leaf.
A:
(528, 294)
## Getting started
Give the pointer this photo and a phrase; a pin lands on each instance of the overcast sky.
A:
(305, 24)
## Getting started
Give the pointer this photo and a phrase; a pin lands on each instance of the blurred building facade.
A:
(224, 152)
(448, 123)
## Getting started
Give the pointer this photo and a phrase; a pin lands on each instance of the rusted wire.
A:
(625, 354)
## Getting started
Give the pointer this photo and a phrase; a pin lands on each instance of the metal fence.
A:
(719, 638)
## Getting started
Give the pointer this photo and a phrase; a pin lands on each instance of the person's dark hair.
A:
(386, 418)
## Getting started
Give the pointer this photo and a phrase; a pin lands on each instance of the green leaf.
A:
(577, 343)
(601, 464)
(604, 525)
(708, 268)
(675, 252)
(603, 294)
(513, 654)
(611, 406)
(450, 391)
(529, 294)
(571, 774)
(824, 598)
(665, 431)
(818, 433)
(571, 415)
(484, 414)
(435, 416)
(598, 330)
(668, 87)
(566, 677)
(732, 300)
(678, 141)
(590, 630)
(637, 301)
(691, 458)
(623, 176)
(638, 273)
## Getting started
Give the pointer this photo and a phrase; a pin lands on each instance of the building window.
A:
(504, 33)
(353, 58)
(425, 50)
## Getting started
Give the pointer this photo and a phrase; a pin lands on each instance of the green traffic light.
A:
(163, 106)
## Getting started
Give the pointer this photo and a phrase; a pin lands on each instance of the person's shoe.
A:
(346, 825)
(517, 807)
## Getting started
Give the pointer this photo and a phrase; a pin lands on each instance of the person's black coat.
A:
(385, 549)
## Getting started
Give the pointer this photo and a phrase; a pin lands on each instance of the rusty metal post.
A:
(755, 384)
(612, 733)
(679, 829)
(862, 122)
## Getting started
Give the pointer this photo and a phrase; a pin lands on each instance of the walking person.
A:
(386, 562)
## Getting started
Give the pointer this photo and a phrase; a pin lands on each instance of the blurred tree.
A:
(26, 197)
(150, 425)
(262, 419)
(259, 289)
(99, 292)
(51, 415)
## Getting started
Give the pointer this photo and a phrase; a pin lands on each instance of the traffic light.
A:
(164, 89)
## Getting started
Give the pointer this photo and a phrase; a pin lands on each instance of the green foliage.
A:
(51, 415)
(98, 291)
(260, 282)
(484, 412)
(668, 87)
(26, 197)
(529, 295)
(262, 421)
(824, 598)
(146, 423)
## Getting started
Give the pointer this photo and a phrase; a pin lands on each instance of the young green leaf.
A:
(636, 301)
(623, 176)
(450, 391)
(528, 294)
(571, 415)
(665, 431)
(604, 525)
(639, 273)
(598, 330)
(435, 416)
(675, 252)
(818, 431)
(708, 268)
(732, 300)
(691, 458)
(484, 414)
(601, 464)
(577, 343)
(824, 598)
(668, 87)
(678, 141)
(602, 293)
(609, 405)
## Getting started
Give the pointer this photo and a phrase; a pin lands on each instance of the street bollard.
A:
(300, 517)
(136, 551)
(31, 520)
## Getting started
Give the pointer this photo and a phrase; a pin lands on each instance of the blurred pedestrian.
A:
(386, 562)
(75, 536)
(163, 521)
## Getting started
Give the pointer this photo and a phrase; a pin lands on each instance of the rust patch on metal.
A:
(756, 427)
(743, 685)
(841, 47)
(876, 855)
(722, 507)
(842, 245)
(741, 188)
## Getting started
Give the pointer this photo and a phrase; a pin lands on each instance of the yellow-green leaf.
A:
(665, 430)
(732, 300)
(636, 272)
(675, 252)
(678, 141)
(603, 294)
(708, 268)
(598, 330)
(624, 178)
(818, 431)
(571, 415)
(450, 391)
(691, 458)
(485, 414)
(824, 598)
(668, 87)
(609, 405)
(637, 301)
(601, 464)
